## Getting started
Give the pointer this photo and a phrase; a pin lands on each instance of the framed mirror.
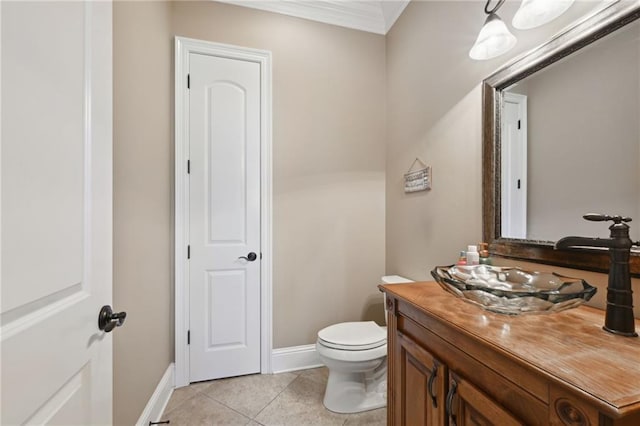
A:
(561, 138)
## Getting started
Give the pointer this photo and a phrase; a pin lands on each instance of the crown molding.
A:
(391, 10)
(374, 16)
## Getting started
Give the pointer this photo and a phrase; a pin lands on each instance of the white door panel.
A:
(514, 166)
(56, 212)
(227, 322)
(224, 194)
(50, 226)
(226, 184)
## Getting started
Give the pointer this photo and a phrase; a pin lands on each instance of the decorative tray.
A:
(513, 291)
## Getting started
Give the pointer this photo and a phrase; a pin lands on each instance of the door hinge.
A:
(188, 337)
(188, 166)
(518, 183)
(188, 252)
(518, 124)
(260, 255)
(188, 81)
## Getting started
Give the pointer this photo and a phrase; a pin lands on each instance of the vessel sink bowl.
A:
(511, 290)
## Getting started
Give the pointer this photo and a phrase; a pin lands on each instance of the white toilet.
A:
(355, 354)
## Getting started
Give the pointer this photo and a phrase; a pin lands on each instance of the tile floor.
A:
(278, 399)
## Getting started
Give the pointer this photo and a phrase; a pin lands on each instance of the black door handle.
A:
(250, 257)
(108, 320)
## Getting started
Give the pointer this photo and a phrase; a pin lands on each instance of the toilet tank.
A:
(392, 279)
(395, 279)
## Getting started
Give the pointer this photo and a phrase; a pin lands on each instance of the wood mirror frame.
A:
(584, 33)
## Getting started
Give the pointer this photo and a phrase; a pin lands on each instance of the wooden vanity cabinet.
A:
(453, 363)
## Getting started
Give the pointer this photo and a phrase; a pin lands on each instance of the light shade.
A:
(533, 13)
(494, 39)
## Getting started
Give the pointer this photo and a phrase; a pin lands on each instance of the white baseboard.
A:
(159, 399)
(295, 358)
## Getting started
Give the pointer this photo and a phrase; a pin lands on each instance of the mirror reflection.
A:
(570, 142)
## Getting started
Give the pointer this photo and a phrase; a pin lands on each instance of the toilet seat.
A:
(353, 336)
(356, 355)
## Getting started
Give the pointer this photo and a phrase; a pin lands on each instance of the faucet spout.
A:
(568, 242)
(619, 317)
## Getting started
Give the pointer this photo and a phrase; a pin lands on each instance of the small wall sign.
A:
(417, 180)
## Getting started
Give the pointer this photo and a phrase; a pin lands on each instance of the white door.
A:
(56, 212)
(514, 166)
(224, 219)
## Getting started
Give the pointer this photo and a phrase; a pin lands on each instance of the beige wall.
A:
(434, 112)
(142, 251)
(328, 161)
(433, 103)
(328, 176)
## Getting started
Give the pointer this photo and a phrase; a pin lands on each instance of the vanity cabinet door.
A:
(467, 405)
(420, 383)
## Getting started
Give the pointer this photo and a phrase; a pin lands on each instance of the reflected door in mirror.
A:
(514, 166)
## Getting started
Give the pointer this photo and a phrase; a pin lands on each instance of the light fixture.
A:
(494, 38)
(533, 13)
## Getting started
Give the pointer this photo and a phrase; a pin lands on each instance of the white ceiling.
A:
(375, 16)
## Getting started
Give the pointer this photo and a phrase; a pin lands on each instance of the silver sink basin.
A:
(513, 291)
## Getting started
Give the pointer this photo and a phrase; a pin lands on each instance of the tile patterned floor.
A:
(278, 399)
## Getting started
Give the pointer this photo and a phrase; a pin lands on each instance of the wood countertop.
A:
(570, 346)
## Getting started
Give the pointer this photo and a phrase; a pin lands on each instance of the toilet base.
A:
(348, 393)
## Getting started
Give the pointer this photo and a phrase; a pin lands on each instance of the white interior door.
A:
(56, 212)
(514, 166)
(224, 218)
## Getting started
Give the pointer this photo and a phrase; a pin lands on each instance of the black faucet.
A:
(619, 316)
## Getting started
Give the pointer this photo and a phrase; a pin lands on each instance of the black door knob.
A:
(108, 320)
(250, 257)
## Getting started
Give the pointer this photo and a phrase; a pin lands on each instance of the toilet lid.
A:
(353, 336)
